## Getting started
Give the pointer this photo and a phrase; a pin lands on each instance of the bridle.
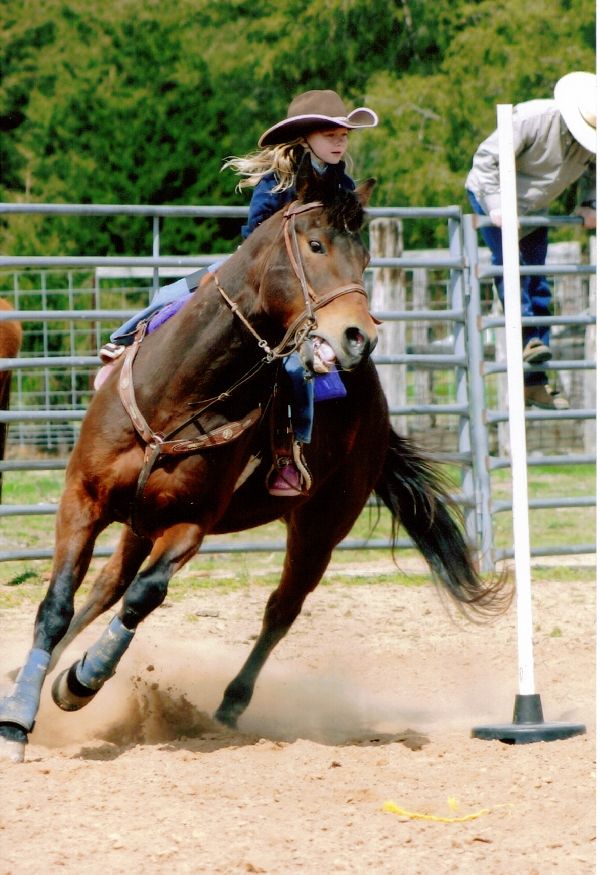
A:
(303, 324)
(156, 443)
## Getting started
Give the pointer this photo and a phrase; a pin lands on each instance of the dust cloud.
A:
(164, 691)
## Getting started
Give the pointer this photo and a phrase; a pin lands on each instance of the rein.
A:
(303, 324)
(158, 444)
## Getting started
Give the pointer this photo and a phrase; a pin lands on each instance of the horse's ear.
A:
(365, 190)
(308, 182)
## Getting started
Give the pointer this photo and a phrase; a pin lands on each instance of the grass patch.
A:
(564, 573)
(21, 578)
(550, 526)
(25, 581)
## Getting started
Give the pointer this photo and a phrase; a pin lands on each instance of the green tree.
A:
(431, 124)
(140, 102)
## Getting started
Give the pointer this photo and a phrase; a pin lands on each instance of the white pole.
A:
(516, 398)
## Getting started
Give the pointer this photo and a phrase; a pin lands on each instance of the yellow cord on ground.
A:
(417, 815)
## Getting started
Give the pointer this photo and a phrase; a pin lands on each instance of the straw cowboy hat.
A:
(313, 110)
(576, 96)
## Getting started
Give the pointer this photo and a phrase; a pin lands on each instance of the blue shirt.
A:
(265, 201)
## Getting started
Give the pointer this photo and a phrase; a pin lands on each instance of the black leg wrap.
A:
(12, 732)
(76, 687)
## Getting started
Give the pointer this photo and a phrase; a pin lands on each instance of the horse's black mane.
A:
(345, 212)
(343, 209)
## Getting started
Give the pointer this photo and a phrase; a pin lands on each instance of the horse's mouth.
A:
(322, 355)
(319, 357)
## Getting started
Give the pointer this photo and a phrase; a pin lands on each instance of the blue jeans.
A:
(536, 297)
(303, 398)
(125, 333)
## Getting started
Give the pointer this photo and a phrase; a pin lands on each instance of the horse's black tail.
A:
(418, 498)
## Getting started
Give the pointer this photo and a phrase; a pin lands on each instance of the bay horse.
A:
(11, 337)
(177, 444)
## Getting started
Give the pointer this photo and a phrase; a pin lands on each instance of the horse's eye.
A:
(316, 246)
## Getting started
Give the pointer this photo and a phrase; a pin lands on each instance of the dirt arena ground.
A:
(370, 700)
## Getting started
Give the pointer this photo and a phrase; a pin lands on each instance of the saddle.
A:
(285, 447)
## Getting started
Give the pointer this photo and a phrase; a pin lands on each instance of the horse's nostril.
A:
(355, 339)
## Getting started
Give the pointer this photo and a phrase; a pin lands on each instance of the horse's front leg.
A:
(109, 586)
(77, 685)
(303, 569)
(77, 528)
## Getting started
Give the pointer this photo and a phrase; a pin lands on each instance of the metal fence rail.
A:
(487, 416)
(457, 359)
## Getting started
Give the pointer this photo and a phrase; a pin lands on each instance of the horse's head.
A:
(314, 285)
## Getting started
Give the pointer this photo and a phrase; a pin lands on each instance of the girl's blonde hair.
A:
(283, 160)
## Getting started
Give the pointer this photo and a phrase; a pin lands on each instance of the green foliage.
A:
(432, 123)
(140, 102)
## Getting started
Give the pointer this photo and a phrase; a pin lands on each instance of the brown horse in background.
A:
(11, 337)
(178, 442)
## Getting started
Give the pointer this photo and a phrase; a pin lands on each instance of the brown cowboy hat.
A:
(313, 110)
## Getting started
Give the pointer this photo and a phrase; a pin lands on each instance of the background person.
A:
(555, 146)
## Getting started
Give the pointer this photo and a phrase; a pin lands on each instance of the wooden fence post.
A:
(389, 293)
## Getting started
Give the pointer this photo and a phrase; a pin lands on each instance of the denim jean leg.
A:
(534, 249)
(303, 398)
(536, 296)
(165, 295)
(492, 237)
(535, 292)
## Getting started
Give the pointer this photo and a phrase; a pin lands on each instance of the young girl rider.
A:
(319, 123)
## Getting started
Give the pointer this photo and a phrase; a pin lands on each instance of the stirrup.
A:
(285, 481)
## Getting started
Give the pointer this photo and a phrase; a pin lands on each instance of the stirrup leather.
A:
(110, 352)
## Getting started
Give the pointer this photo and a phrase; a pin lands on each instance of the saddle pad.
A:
(328, 386)
(165, 313)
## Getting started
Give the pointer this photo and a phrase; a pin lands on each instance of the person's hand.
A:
(588, 214)
(496, 217)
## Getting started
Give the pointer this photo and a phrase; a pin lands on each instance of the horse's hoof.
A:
(225, 717)
(12, 743)
(68, 693)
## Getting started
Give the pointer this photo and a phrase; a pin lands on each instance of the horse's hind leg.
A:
(77, 685)
(77, 529)
(314, 529)
(313, 532)
(109, 586)
(300, 576)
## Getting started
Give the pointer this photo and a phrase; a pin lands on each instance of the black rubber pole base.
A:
(528, 725)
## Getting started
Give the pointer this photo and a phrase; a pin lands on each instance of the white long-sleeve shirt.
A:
(548, 160)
